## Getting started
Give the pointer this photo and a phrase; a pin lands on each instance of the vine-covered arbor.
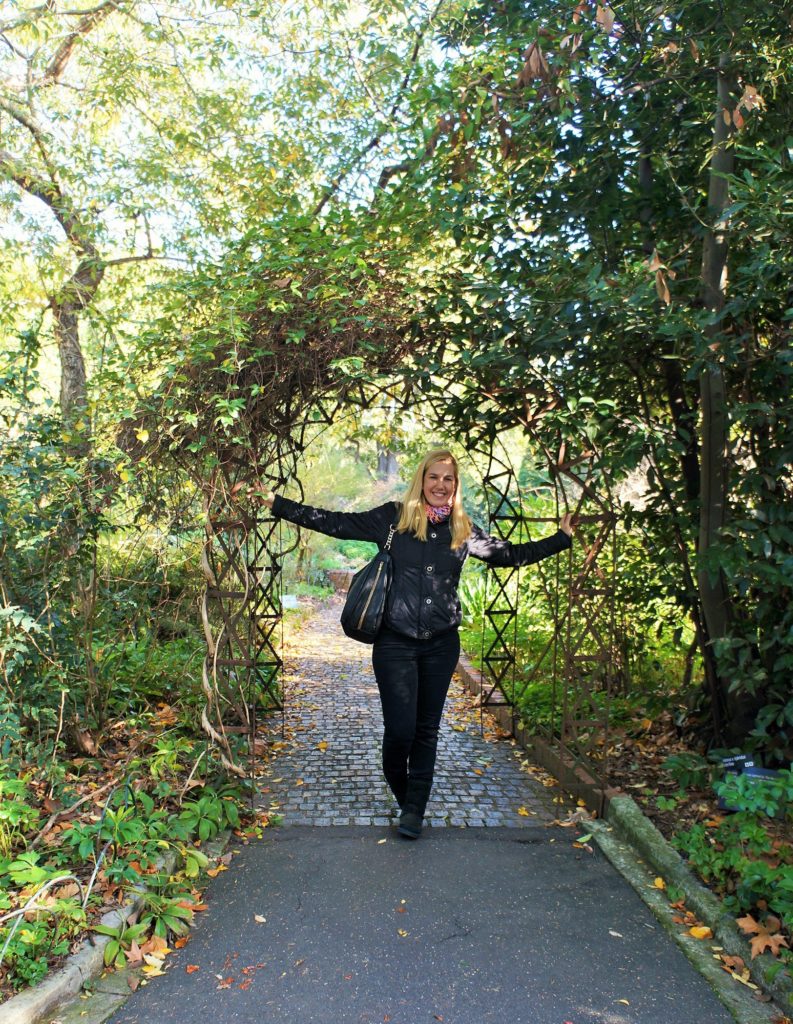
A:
(237, 414)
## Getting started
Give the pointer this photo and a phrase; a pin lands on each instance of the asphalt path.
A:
(354, 925)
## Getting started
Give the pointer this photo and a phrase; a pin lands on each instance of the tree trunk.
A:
(78, 292)
(713, 593)
(74, 394)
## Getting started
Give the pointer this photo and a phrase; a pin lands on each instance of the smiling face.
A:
(439, 483)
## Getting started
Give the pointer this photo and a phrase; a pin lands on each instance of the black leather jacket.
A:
(422, 601)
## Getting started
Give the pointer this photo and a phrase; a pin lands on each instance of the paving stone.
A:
(331, 699)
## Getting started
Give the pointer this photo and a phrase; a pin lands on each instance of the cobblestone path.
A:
(327, 765)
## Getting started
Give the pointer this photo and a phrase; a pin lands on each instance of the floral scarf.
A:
(437, 515)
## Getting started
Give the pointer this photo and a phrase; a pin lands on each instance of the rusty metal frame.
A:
(581, 660)
(241, 608)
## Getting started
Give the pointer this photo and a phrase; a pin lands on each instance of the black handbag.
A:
(364, 606)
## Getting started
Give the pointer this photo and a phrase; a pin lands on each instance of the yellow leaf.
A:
(624, 1002)
(299, 782)
(523, 812)
(401, 932)
(214, 872)
(659, 883)
(142, 436)
(700, 931)
(322, 745)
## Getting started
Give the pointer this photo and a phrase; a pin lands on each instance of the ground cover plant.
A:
(76, 845)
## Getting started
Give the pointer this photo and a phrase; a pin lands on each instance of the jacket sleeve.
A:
(372, 525)
(505, 554)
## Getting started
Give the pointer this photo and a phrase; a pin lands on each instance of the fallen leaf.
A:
(192, 968)
(766, 934)
(322, 745)
(659, 883)
(700, 931)
(402, 932)
(259, 918)
(156, 960)
(524, 812)
(154, 945)
(65, 892)
(214, 872)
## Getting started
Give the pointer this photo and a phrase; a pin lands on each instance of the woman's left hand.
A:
(567, 524)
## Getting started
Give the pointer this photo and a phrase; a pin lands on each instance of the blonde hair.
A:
(413, 516)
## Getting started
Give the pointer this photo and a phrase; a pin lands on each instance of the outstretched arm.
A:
(372, 525)
(505, 554)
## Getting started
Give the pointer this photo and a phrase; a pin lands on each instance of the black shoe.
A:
(409, 824)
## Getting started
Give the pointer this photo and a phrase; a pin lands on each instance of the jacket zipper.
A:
(369, 598)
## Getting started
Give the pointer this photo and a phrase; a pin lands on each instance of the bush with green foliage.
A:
(749, 863)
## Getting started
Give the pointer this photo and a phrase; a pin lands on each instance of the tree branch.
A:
(374, 142)
(50, 194)
(28, 18)
(62, 55)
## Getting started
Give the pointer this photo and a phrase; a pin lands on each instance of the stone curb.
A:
(626, 817)
(737, 998)
(40, 1002)
(647, 843)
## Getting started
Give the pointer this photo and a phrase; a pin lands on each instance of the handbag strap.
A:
(391, 530)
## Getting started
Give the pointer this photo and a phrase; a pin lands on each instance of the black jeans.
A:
(413, 677)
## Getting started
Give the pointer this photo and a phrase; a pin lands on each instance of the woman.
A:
(416, 651)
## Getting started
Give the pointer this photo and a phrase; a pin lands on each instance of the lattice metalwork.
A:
(240, 610)
(501, 611)
(587, 635)
(579, 661)
(242, 558)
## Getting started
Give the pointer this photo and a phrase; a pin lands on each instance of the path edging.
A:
(36, 1004)
(737, 998)
(625, 816)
